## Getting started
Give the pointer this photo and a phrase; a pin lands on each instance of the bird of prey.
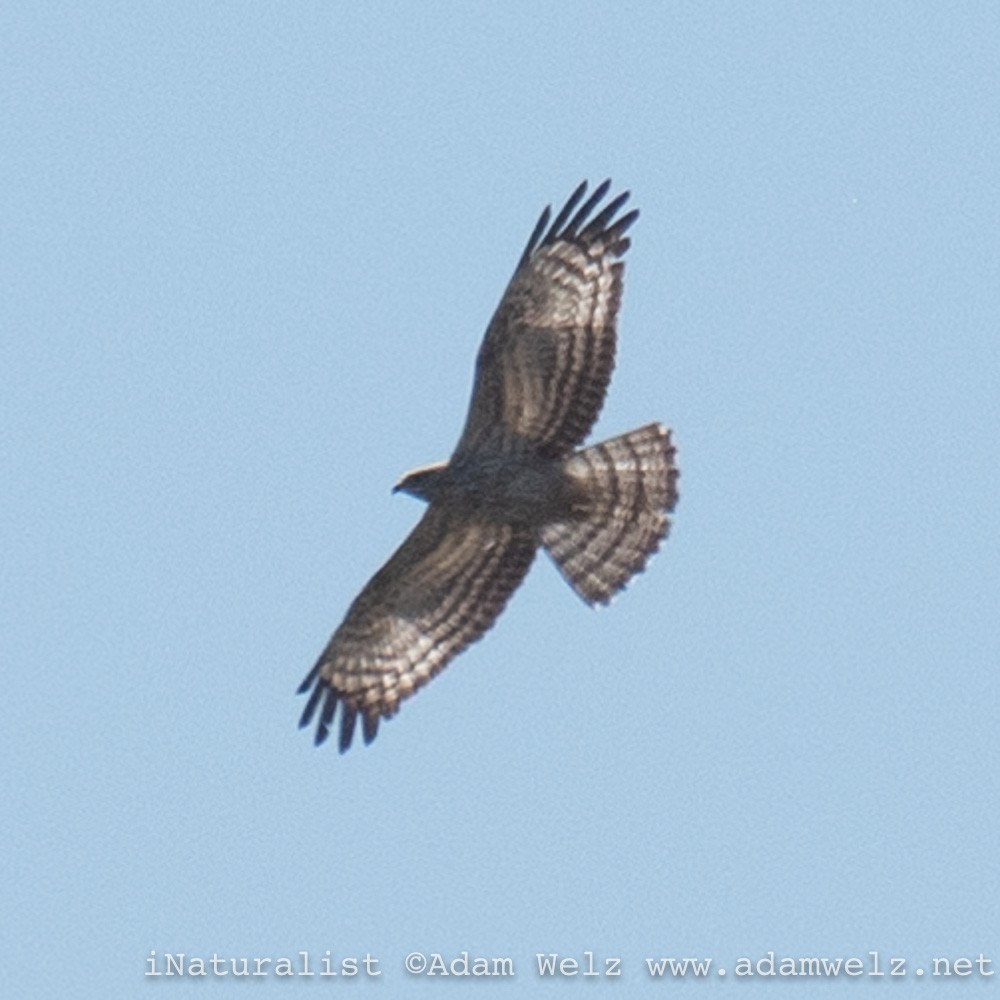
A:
(515, 481)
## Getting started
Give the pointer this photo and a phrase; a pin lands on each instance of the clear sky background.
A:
(247, 254)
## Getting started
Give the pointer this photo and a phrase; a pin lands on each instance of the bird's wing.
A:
(441, 590)
(546, 360)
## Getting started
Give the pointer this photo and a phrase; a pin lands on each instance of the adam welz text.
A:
(552, 965)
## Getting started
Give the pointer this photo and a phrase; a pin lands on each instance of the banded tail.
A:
(631, 483)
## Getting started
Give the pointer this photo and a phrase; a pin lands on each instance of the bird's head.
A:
(422, 482)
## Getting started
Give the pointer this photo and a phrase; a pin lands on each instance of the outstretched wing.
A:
(441, 590)
(546, 360)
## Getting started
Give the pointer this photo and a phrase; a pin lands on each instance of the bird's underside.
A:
(515, 481)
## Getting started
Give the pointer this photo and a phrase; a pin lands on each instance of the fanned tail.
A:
(631, 485)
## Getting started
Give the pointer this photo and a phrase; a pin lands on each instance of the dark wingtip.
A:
(600, 221)
(567, 210)
(370, 720)
(573, 221)
(536, 235)
(326, 716)
(310, 709)
(348, 718)
(325, 695)
(585, 209)
(311, 676)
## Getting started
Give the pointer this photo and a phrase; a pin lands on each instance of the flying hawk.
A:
(514, 482)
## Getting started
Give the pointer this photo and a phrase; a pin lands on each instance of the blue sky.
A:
(248, 253)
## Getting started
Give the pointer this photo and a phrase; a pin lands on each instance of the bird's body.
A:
(532, 492)
(515, 482)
